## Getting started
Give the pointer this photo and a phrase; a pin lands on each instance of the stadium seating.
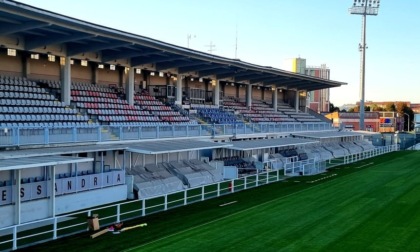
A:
(245, 166)
(262, 112)
(366, 146)
(336, 149)
(316, 151)
(351, 147)
(108, 106)
(25, 104)
(216, 115)
(153, 180)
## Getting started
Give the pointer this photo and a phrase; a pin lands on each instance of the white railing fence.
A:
(25, 234)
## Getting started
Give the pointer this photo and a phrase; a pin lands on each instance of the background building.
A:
(382, 121)
(349, 120)
(317, 100)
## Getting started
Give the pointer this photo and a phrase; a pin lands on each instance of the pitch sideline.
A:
(236, 213)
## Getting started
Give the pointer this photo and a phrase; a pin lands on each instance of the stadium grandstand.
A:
(92, 116)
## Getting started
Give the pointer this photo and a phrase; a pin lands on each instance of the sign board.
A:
(42, 189)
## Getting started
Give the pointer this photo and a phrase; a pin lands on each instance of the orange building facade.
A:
(349, 120)
(374, 121)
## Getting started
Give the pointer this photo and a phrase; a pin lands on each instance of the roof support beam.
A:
(282, 81)
(150, 60)
(74, 50)
(216, 71)
(308, 86)
(72, 34)
(246, 76)
(14, 28)
(202, 67)
(295, 84)
(32, 43)
(176, 64)
(109, 56)
(273, 81)
(232, 73)
(263, 78)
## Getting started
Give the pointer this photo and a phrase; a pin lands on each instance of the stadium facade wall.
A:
(196, 84)
(10, 65)
(140, 159)
(230, 90)
(106, 76)
(257, 94)
(156, 80)
(43, 69)
(81, 73)
(39, 209)
(268, 95)
(242, 91)
(40, 69)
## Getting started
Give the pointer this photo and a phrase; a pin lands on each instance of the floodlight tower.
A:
(364, 8)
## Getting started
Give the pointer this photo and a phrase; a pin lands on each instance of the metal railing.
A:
(25, 234)
(17, 136)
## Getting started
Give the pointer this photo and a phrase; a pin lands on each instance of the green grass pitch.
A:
(372, 205)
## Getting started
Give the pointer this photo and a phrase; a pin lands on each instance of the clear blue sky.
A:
(270, 31)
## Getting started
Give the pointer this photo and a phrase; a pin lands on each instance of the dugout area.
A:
(295, 211)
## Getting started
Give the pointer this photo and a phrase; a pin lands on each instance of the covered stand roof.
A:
(60, 150)
(170, 146)
(37, 29)
(327, 134)
(26, 163)
(268, 143)
(146, 147)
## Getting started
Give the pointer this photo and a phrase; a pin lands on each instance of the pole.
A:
(408, 126)
(362, 75)
(363, 8)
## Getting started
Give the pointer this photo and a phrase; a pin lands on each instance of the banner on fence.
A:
(42, 189)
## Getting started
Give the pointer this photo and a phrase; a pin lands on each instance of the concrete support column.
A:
(66, 81)
(223, 89)
(120, 76)
(115, 159)
(274, 99)
(216, 92)
(26, 66)
(297, 101)
(130, 160)
(146, 80)
(249, 96)
(237, 90)
(95, 74)
(52, 193)
(17, 177)
(178, 100)
(207, 88)
(129, 87)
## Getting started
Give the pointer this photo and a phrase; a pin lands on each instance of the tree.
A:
(390, 106)
(333, 108)
(375, 107)
(400, 108)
